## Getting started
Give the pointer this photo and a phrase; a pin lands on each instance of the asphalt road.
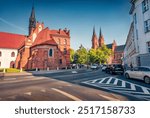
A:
(75, 85)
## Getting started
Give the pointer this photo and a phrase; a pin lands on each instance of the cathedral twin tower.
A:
(96, 43)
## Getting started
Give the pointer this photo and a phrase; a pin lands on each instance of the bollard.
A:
(47, 68)
(57, 68)
(66, 67)
(36, 69)
(4, 71)
(21, 70)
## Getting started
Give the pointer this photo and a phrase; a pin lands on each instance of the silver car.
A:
(141, 73)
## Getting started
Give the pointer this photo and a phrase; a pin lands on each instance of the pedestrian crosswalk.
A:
(121, 86)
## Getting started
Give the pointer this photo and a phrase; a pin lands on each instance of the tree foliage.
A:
(100, 55)
(72, 54)
(81, 55)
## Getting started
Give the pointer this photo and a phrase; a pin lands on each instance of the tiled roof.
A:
(10, 40)
(120, 48)
(58, 32)
(109, 46)
(44, 38)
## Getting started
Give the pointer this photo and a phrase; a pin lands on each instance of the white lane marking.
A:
(145, 90)
(102, 80)
(22, 80)
(94, 81)
(11, 97)
(116, 81)
(43, 90)
(67, 94)
(8, 79)
(108, 82)
(132, 86)
(74, 72)
(28, 93)
(109, 98)
(123, 84)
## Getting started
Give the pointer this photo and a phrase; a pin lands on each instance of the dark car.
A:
(115, 69)
(107, 70)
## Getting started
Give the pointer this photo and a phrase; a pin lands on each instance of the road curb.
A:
(30, 73)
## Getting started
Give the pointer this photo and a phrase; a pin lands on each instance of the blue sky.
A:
(77, 15)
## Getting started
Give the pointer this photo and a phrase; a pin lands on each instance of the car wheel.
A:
(127, 76)
(147, 80)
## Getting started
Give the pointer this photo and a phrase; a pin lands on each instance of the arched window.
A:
(59, 42)
(65, 42)
(12, 54)
(50, 52)
(12, 64)
(0, 53)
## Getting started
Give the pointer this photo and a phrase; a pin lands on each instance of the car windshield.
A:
(144, 69)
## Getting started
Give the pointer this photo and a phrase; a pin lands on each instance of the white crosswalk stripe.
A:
(108, 82)
(132, 86)
(102, 80)
(121, 86)
(116, 81)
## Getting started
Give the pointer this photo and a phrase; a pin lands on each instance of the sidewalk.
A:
(30, 73)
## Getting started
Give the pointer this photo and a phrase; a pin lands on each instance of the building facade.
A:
(43, 48)
(117, 50)
(140, 11)
(130, 49)
(9, 44)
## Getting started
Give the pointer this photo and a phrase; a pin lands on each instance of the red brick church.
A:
(117, 50)
(43, 48)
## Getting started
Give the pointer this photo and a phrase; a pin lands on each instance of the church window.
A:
(65, 51)
(60, 61)
(12, 64)
(59, 41)
(51, 52)
(65, 42)
(0, 53)
(12, 54)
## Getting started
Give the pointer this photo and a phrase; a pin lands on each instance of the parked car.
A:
(107, 70)
(104, 67)
(141, 73)
(94, 67)
(115, 69)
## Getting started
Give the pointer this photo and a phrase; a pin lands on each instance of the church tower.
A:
(101, 39)
(94, 40)
(32, 21)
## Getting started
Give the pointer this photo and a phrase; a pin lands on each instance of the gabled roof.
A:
(120, 48)
(58, 32)
(44, 38)
(109, 46)
(10, 40)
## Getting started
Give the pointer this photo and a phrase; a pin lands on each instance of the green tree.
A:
(100, 55)
(106, 54)
(92, 55)
(81, 55)
(72, 54)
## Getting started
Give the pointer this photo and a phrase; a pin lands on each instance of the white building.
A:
(9, 45)
(130, 49)
(140, 12)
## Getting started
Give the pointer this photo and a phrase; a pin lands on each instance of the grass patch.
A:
(10, 70)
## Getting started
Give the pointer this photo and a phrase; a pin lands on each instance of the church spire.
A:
(32, 20)
(100, 34)
(94, 40)
(101, 39)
